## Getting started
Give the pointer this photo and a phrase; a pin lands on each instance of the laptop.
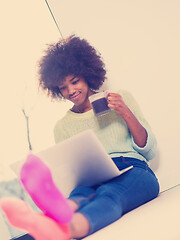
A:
(79, 160)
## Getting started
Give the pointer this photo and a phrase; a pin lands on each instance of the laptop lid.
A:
(79, 160)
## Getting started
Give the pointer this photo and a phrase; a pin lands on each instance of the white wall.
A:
(26, 26)
(140, 43)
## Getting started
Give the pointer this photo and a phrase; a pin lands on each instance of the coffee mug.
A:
(99, 103)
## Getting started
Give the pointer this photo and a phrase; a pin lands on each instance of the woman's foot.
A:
(41, 227)
(37, 180)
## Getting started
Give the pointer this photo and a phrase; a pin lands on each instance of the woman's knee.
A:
(81, 196)
(144, 189)
(82, 191)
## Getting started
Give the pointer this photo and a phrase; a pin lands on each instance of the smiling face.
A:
(76, 90)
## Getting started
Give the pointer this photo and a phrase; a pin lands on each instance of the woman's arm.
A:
(138, 132)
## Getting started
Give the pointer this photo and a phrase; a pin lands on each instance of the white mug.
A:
(99, 103)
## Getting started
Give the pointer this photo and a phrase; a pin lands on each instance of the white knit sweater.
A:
(111, 130)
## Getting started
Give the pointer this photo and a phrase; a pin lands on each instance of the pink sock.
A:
(39, 226)
(37, 180)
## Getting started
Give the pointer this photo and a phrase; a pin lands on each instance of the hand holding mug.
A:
(115, 102)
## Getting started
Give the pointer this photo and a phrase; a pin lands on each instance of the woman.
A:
(73, 70)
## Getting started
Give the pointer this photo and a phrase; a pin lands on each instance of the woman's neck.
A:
(81, 109)
(85, 107)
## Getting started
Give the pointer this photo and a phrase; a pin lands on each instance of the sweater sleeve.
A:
(150, 149)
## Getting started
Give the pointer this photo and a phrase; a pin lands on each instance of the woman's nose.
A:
(71, 90)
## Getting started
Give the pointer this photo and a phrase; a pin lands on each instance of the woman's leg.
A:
(50, 200)
(38, 225)
(81, 196)
(47, 196)
(120, 195)
(111, 200)
(79, 226)
(37, 180)
(20, 215)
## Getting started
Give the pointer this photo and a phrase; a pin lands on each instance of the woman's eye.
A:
(61, 88)
(76, 81)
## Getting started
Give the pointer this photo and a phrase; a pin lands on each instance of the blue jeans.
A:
(106, 203)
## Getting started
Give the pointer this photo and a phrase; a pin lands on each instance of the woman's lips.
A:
(75, 96)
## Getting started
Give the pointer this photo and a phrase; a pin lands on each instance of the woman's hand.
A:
(116, 102)
(138, 132)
